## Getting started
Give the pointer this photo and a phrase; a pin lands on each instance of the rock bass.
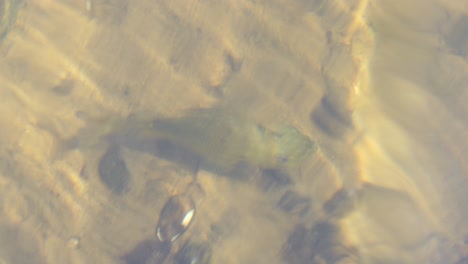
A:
(219, 137)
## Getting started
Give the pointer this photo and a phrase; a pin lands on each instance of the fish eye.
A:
(278, 135)
(261, 128)
(282, 159)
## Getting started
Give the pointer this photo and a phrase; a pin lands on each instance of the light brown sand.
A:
(392, 61)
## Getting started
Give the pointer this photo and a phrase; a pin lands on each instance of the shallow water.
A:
(378, 85)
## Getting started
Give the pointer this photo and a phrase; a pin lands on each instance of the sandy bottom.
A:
(392, 133)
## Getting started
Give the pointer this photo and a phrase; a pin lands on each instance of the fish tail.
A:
(87, 137)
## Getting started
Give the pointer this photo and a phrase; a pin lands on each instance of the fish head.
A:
(290, 147)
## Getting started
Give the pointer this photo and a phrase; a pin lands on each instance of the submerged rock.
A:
(176, 216)
(113, 171)
(320, 244)
(148, 252)
(193, 253)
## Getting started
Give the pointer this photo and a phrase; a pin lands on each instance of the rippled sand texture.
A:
(379, 85)
(415, 119)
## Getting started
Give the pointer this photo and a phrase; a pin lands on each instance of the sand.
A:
(395, 71)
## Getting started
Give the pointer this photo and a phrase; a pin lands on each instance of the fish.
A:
(219, 137)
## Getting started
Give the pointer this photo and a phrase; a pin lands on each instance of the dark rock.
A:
(193, 253)
(176, 216)
(293, 203)
(113, 171)
(148, 252)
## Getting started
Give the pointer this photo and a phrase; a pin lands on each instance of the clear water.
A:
(378, 86)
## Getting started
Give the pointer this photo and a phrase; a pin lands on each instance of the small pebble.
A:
(113, 171)
(176, 216)
(74, 242)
